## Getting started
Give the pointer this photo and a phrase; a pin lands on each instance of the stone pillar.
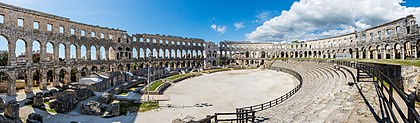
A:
(44, 83)
(11, 91)
(78, 53)
(98, 54)
(107, 54)
(414, 51)
(12, 53)
(43, 52)
(12, 109)
(403, 53)
(384, 54)
(29, 52)
(67, 54)
(393, 54)
(88, 54)
(56, 81)
(56, 52)
(29, 82)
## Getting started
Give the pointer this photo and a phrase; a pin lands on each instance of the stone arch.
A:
(84, 72)
(36, 51)
(62, 52)
(50, 77)
(379, 51)
(73, 75)
(83, 53)
(73, 48)
(49, 49)
(93, 53)
(407, 50)
(94, 69)
(397, 51)
(112, 53)
(63, 76)
(4, 81)
(20, 51)
(135, 53)
(4, 51)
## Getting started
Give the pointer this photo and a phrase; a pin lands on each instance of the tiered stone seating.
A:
(325, 95)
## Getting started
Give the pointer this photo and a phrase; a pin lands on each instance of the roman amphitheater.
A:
(107, 75)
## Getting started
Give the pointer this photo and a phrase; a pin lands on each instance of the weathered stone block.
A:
(115, 109)
(34, 118)
(38, 100)
(91, 108)
(1, 104)
(105, 98)
(12, 109)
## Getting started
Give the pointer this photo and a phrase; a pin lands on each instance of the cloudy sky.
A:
(237, 20)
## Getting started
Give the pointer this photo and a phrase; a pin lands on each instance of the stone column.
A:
(29, 52)
(44, 83)
(107, 54)
(56, 80)
(393, 53)
(56, 52)
(78, 54)
(414, 51)
(98, 54)
(403, 53)
(11, 91)
(67, 54)
(29, 81)
(12, 53)
(43, 52)
(384, 53)
(88, 54)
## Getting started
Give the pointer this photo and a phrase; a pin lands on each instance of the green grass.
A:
(216, 70)
(50, 110)
(155, 85)
(132, 107)
(174, 77)
(123, 94)
(148, 106)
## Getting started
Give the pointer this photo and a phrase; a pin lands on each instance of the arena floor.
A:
(225, 91)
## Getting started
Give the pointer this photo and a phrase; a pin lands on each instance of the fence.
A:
(247, 114)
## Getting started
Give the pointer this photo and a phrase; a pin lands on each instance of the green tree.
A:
(4, 58)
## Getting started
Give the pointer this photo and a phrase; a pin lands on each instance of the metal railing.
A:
(247, 114)
(393, 111)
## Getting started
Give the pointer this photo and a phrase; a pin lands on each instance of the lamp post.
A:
(148, 77)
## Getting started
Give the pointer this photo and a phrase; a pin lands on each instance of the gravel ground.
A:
(225, 91)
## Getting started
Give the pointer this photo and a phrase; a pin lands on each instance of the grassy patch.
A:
(50, 110)
(123, 94)
(148, 106)
(132, 89)
(216, 70)
(131, 107)
(155, 85)
(176, 76)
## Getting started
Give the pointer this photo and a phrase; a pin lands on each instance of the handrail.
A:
(390, 102)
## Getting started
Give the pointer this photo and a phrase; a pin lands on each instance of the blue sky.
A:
(187, 18)
(237, 20)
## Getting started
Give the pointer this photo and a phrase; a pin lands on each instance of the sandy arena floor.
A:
(225, 91)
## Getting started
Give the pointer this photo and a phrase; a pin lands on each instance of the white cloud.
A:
(313, 19)
(239, 25)
(220, 29)
(263, 16)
